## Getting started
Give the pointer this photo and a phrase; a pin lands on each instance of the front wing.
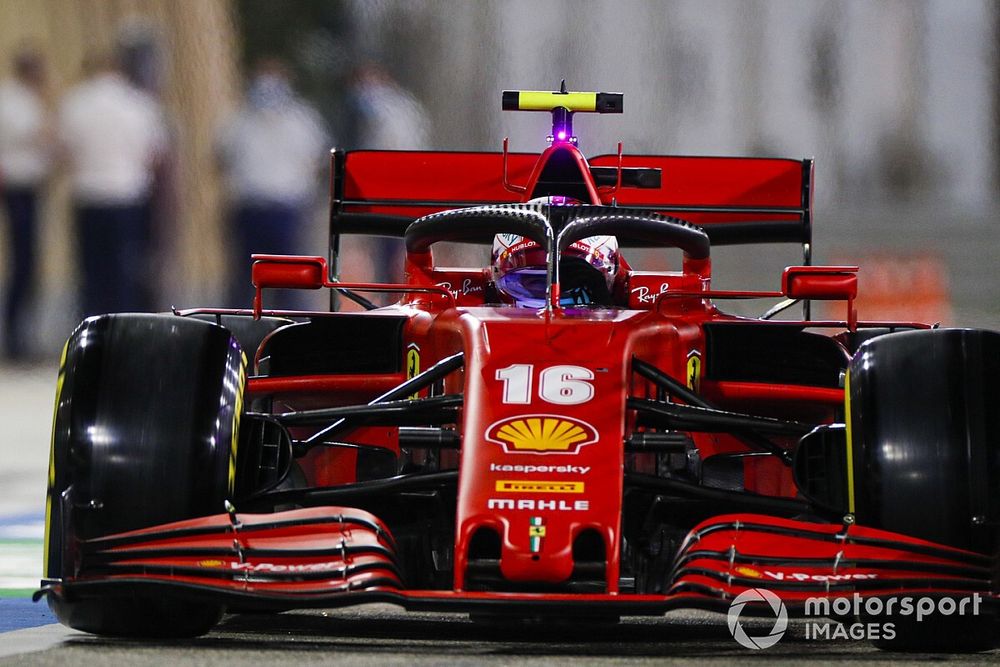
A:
(333, 556)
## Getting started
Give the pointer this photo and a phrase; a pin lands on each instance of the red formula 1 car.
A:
(559, 433)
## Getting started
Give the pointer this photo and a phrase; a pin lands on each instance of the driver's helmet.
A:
(587, 270)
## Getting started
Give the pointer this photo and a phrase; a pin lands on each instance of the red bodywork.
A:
(544, 421)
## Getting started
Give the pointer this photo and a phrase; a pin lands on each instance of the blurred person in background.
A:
(114, 137)
(272, 152)
(384, 116)
(26, 141)
(142, 55)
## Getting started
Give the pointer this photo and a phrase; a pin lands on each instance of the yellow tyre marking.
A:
(52, 460)
(237, 411)
(850, 442)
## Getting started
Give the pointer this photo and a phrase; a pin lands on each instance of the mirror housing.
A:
(285, 271)
(827, 283)
(288, 271)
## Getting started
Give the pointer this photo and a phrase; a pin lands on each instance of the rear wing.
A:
(381, 192)
(736, 200)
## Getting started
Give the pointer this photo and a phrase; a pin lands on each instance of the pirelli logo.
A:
(530, 486)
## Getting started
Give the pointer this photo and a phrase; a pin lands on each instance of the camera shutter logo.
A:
(773, 602)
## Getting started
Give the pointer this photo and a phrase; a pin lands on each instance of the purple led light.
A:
(561, 135)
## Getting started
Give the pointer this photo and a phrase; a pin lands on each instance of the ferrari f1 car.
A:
(558, 434)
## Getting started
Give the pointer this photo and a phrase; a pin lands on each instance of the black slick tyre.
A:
(146, 418)
(924, 433)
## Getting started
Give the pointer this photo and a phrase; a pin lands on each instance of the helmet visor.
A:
(526, 286)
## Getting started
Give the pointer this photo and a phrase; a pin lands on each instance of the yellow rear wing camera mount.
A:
(562, 105)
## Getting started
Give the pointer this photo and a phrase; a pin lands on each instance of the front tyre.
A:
(924, 429)
(146, 420)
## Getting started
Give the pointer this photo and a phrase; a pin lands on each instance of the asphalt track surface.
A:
(385, 635)
(369, 635)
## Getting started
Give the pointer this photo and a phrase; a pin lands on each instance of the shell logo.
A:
(211, 563)
(541, 434)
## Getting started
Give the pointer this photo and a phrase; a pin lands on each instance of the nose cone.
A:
(542, 453)
(539, 547)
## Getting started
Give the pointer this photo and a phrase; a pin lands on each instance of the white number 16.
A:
(562, 385)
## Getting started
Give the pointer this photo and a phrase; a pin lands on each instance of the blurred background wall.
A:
(896, 99)
(196, 67)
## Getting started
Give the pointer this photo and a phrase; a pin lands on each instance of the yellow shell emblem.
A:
(541, 434)
(745, 571)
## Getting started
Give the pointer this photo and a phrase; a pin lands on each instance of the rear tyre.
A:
(147, 412)
(925, 438)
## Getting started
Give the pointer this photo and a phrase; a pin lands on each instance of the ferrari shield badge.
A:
(694, 371)
(413, 365)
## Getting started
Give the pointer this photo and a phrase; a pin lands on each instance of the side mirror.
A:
(828, 283)
(285, 271)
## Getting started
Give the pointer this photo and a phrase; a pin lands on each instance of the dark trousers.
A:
(113, 243)
(21, 205)
(263, 228)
